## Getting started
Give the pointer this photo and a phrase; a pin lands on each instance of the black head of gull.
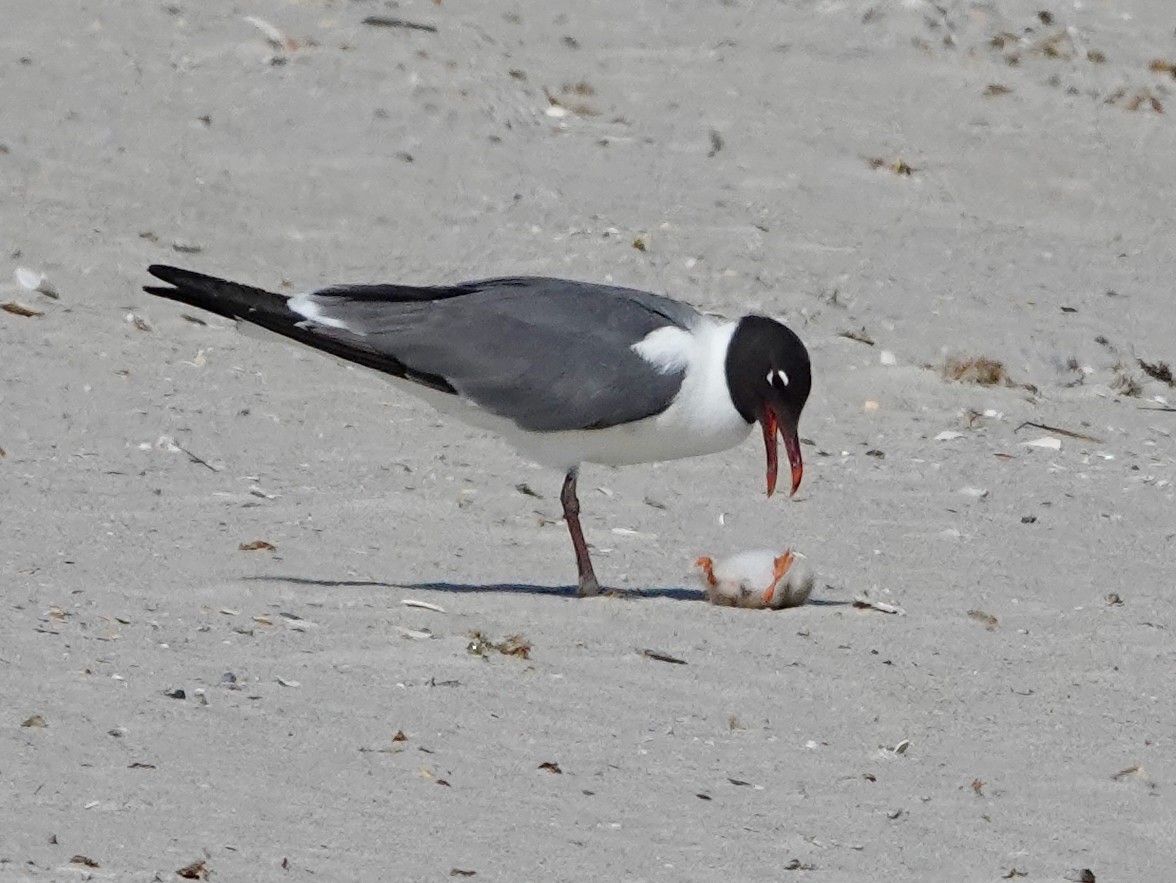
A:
(569, 372)
(769, 376)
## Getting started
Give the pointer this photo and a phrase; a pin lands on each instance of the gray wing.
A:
(547, 354)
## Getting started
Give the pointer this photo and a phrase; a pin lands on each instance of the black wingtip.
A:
(171, 275)
(177, 276)
(220, 296)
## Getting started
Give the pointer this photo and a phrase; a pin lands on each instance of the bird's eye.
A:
(777, 379)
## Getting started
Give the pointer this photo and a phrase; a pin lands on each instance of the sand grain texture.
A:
(737, 143)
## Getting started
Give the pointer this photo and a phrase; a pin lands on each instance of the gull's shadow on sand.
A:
(677, 594)
(673, 593)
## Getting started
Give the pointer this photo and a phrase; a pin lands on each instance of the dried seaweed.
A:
(198, 870)
(20, 310)
(257, 545)
(1160, 371)
(513, 645)
(383, 21)
(980, 370)
(860, 336)
(663, 657)
(985, 619)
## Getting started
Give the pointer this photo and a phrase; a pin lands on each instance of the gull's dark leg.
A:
(571, 511)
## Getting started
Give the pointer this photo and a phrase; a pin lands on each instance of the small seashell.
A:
(275, 37)
(423, 605)
(34, 281)
(636, 534)
(865, 602)
(415, 634)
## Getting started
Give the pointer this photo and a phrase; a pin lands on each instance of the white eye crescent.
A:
(777, 378)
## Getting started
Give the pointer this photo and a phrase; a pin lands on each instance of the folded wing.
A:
(548, 354)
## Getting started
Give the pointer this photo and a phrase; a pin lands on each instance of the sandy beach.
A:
(911, 186)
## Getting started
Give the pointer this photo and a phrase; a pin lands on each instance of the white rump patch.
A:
(310, 309)
(778, 373)
(667, 349)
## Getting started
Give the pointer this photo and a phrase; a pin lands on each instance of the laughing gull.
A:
(568, 372)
